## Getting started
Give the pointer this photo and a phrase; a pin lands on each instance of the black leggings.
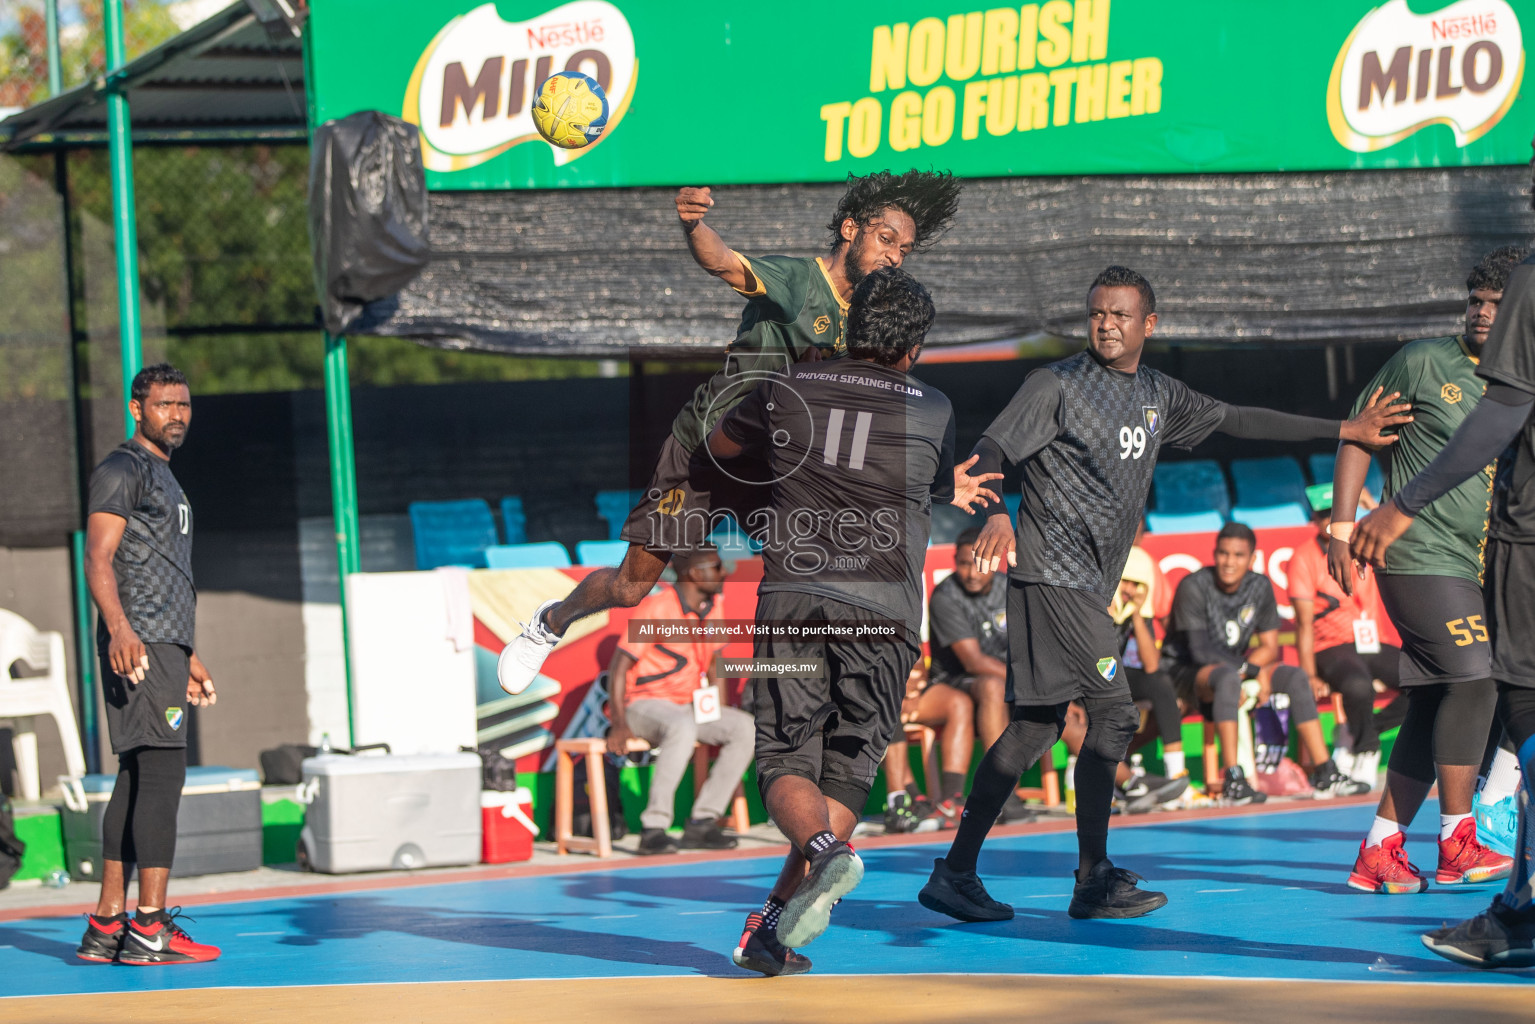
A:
(1352, 676)
(1447, 724)
(1157, 689)
(140, 824)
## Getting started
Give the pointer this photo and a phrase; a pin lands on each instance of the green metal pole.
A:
(124, 221)
(55, 72)
(338, 430)
(85, 655)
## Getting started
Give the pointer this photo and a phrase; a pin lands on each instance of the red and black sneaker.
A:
(157, 939)
(760, 951)
(103, 938)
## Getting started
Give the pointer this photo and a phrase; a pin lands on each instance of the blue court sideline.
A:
(1254, 896)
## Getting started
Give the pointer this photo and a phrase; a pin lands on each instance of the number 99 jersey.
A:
(1088, 437)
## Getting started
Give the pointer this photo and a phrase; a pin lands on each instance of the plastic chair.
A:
(601, 552)
(1268, 516)
(1196, 485)
(1374, 480)
(614, 506)
(1274, 481)
(22, 700)
(1187, 522)
(452, 532)
(514, 521)
(543, 555)
(1320, 466)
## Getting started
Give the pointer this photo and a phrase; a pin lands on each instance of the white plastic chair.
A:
(22, 700)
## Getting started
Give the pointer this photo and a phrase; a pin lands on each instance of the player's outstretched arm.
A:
(708, 248)
(968, 489)
(1259, 424)
(1349, 470)
(1378, 415)
(1479, 440)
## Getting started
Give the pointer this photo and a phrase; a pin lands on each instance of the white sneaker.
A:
(1366, 768)
(521, 659)
(1343, 757)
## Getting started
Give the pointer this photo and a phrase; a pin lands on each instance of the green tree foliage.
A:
(24, 49)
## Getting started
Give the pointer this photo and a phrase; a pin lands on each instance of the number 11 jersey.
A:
(1088, 437)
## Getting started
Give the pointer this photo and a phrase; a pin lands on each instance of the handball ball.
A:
(570, 110)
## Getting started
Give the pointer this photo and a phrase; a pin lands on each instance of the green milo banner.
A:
(810, 91)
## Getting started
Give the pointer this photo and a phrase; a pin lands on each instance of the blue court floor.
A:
(1254, 897)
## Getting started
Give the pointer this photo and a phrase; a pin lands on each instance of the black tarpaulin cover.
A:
(1292, 258)
(367, 212)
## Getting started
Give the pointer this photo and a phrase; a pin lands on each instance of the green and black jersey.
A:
(1438, 376)
(791, 308)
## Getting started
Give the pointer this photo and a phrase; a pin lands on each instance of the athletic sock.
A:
(1095, 803)
(953, 784)
(770, 911)
(1381, 829)
(1173, 761)
(820, 843)
(1448, 824)
(912, 791)
(1502, 777)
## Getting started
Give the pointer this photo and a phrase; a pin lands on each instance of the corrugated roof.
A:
(224, 79)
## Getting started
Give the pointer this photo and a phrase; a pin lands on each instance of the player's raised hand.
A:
(968, 489)
(995, 543)
(692, 204)
(200, 691)
(1378, 415)
(1378, 531)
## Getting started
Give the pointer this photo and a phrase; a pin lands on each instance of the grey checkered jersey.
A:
(153, 564)
(1088, 437)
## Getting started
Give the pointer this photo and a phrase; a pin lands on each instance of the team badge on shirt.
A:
(1451, 393)
(1153, 418)
(1108, 668)
(822, 323)
(173, 717)
(1246, 614)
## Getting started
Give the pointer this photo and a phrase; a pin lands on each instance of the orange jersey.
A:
(1333, 611)
(670, 669)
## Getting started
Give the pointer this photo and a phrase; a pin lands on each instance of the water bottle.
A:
(325, 747)
(1071, 784)
(58, 878)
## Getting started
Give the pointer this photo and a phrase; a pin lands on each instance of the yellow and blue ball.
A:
(570, 110)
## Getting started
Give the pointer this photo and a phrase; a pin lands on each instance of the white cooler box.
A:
(377, 812)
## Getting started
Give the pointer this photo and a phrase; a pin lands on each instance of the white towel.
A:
(455, 593)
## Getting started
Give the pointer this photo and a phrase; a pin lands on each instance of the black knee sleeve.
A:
(1460, 727)
(1413, 754)
(1226, 685)
(1295, 684)
(1027, 738)
(1111, 725)
(139, 826)
(1516, 707)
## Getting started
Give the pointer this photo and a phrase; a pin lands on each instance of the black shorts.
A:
(151, 713)
(690, 494)
(1443, 625)
(1511, 612)
(1185, 682)
(1061, 646)
(833, 728)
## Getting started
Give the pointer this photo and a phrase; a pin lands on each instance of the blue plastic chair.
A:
(1374, 480)
(1263, 482)
(601, 552)
(1183, 522)
(514, 521)
(1194, 485)
(1320, 466)
(733, 542)
(543, 555)
(614, 506)
(1261, 517)
(452, 532)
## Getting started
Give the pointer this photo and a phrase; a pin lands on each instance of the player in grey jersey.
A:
(1088, 430)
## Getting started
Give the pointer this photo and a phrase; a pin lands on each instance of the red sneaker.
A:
(1465, 861)
(947, 813)
(156, 939)
(1385, 868)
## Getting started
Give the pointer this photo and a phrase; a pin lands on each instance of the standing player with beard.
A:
(796, 311)
(1087, 430)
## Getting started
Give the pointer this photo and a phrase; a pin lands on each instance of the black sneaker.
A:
(1238, 791)
(1497, 937)
(901, 813)
(1329, 782)
(706, 835)
(1135, 796)
(655, 840)
(961, 895)
(761, 951)
(833, 873)
(1016, 812)
(157, 939)
(103, 938)
(1108, 891)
